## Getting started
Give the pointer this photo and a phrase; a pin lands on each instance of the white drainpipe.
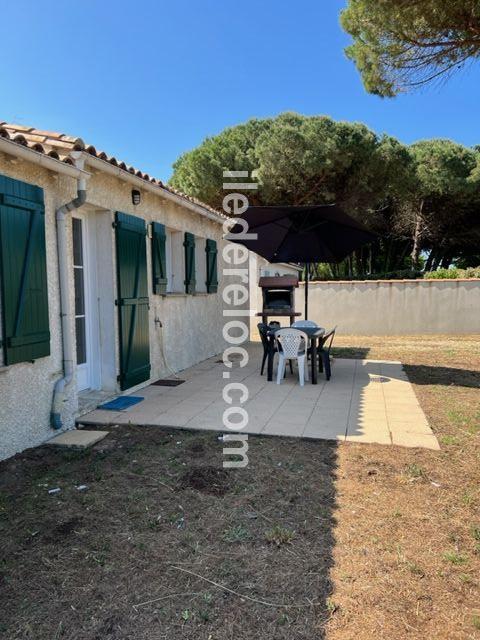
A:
(65, 309)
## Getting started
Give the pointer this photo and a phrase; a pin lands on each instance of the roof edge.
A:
(154, 187)
(12, 148)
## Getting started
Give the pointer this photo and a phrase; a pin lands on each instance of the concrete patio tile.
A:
(405, 414)
(77, 438)
(325, 430)
(415, 440)
(99, 416)
(280, 428)
(418, 426)
(293, 417)
(206, 424)
(380, 436)
(364, 401)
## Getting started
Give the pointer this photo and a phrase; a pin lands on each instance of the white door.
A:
(82, 303)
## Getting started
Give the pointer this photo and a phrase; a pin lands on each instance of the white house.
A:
(109, 279)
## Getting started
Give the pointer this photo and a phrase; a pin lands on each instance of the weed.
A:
(204, 615)
(476, 622)
(331, 606)
(235, 534)
(476, 532)
(323, 512)
(153, 523)
(186, 615)
(414, 471)
(457, 417)
(279, 535)
(450, 440)
(414, 568)
(454, 557)
(468, 498)
(283, 619)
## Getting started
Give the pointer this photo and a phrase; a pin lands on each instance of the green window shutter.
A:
(189, 244)
(159, 259)
(132, 301)
(23, 272)
(212, 273)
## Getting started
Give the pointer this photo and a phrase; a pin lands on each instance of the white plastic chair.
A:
(292, 345)
(304, 323)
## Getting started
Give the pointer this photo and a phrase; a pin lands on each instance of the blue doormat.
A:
(120, 403)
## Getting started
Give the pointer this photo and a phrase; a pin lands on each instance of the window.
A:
(174, 251)
(79, 285)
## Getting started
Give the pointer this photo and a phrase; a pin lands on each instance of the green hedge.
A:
(451, 274)
(406, 274)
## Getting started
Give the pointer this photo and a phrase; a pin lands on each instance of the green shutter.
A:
(189, 244)
(132, 299)
(23, 272)
(159, 260)
(212, 273)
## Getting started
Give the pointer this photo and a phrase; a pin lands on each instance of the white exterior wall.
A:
(26, 389)
(190, 326)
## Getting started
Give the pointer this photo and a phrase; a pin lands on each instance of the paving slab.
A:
(77, 438)
(365, 401)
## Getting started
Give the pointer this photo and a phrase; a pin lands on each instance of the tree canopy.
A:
(401, 44)
(419, 198)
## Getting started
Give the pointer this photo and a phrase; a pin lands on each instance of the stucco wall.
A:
(189, 326)
(187, 329)
(26, 389)
(395, 307)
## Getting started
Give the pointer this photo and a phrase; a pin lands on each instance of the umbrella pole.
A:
(307, 270)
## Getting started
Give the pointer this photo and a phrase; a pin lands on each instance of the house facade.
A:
(109, 280)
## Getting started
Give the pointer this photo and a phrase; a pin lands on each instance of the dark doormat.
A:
(168, 382)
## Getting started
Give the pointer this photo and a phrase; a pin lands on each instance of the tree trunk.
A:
(429, 262)
(436, 261)
(446, 260)
(417, 236)
(388, 253)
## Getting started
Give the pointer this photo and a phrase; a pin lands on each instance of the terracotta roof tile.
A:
(59, 146)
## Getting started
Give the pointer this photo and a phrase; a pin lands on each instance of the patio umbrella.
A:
(320, 233)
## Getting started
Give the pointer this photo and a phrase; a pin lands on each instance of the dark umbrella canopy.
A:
(322, 233)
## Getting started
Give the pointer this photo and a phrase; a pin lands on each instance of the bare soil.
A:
(313, 540)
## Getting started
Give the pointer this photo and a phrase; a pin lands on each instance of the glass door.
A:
(81, 304)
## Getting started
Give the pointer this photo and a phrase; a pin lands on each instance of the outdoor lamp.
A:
(136, 196)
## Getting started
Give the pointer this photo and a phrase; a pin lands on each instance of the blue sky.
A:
(148, 80)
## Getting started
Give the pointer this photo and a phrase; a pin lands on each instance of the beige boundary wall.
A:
(395, 307)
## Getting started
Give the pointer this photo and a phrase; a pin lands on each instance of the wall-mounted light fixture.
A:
(136, 197)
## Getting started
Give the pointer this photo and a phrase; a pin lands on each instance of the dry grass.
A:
(312, 541)
(406, 559)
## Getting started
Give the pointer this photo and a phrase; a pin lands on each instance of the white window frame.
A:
(175, 258)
